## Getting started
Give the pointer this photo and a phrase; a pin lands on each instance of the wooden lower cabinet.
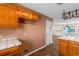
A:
(74, 48)
(67, 47)
(63, 47)
(55, 45)
(14, 54)
(14, 51)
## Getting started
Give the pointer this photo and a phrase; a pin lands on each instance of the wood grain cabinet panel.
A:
(63, 47)
(8, 16)
(13, 54)
(55, 45)
(14, 51)
(27, 13)
(67, 47)
(74, 48)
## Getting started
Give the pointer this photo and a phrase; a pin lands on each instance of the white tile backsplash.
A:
(58, 28)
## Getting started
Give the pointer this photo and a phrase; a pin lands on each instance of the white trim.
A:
(35, 50)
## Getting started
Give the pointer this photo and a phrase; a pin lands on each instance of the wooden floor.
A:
(47, 51)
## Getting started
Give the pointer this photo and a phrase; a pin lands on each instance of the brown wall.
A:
(31, 34)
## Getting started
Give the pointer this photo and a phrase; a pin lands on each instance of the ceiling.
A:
(52, 9)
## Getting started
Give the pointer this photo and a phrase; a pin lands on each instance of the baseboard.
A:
(35, 50)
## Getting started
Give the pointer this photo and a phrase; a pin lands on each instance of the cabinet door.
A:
(8, 16)
(74, 48)
(63, 47)
(27, 14)
(55, 45)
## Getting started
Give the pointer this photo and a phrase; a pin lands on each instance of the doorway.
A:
(49, 32)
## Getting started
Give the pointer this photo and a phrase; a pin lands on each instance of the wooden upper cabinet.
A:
(27, 14)
(8, 16)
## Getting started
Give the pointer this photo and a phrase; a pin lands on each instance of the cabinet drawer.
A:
(74, 43)
(9, 50)
(62, 40)
(16, 53)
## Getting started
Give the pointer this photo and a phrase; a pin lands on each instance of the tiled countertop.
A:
(8, 43)
(69, 37)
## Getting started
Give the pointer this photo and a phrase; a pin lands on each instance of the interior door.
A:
(49, 32)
